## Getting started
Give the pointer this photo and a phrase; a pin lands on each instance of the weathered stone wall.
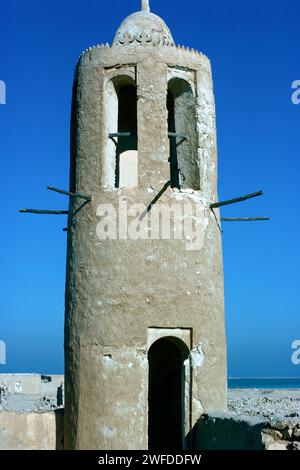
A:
(31, 431)
(31, 392)
(228, 432)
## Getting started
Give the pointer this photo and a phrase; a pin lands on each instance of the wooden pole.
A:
(46, 212)
(120, 134)
(244, 219)
(179, 136)
(238, 199)
(67, 193)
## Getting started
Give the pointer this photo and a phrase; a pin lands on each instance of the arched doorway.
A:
(166, 398)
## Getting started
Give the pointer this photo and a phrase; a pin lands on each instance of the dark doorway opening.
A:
(166, 422)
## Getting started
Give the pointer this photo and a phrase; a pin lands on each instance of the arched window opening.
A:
(181, 105)
(166, 419)
(174, 170)
(121, 158)
(126, 155)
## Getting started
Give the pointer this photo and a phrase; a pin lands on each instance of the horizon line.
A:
(259, 377)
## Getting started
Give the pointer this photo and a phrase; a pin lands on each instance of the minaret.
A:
(145, 346)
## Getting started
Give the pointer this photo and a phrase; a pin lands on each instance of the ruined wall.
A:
(228, 432)
(44, 431)
(31, 431)
(32, 384)
(116, 290)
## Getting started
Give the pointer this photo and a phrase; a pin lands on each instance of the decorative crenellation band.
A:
(144, 41)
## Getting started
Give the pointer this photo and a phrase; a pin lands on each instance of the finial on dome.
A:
(145, 5)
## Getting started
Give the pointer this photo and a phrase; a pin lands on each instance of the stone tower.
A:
(145, 343)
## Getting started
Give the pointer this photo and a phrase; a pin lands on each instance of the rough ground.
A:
(265, 404)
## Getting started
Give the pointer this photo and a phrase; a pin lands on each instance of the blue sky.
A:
(254, 49)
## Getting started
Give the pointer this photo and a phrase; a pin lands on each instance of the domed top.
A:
(143, 27)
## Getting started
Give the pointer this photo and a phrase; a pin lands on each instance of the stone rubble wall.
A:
(44, 431)
(229, 432)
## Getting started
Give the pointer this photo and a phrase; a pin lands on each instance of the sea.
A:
(268, 383)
